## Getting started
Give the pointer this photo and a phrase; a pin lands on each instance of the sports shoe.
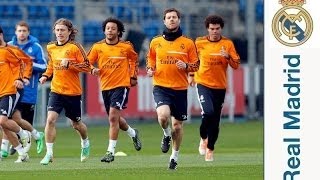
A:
(108, 157)
(203, 146)
(209, 155)
(4, 153)
(85, 153)
(47, 159)
(12, 150)
(173, 164)
(40, 143)
(136, 141)
(26, 141)
(22, 158)
(165, 144)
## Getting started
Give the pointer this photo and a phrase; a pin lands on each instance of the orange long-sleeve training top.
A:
(213, 66)
(163, 56)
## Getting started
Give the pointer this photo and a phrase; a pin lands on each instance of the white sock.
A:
(5, 145)
(20, 149)
(112, 145)
(167, 131)
(49, 148)
(21, 133)
(174, 155)
(35, 134)
(131, 132)
(85, 143)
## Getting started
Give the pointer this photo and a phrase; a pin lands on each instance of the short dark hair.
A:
(214, 19)
(23, 23)
(1, 31)
(120, 25)
(171, 10)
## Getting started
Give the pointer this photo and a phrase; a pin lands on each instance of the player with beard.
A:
(117, 68)
(170, 58)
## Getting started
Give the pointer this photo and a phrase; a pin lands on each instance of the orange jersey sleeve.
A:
(213, 66)
(27, 63)
(10, 66)
(66, 81)
(117, 63)
(82, 63)
(163, 56)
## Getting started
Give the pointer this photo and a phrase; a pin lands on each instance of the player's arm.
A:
(16, 64)
(133, 63)
(27, 62)
(234, 58)
(81, 62)
(151, 57)
(193, 64)
(93, 57)
(49, 71)
(151, 60)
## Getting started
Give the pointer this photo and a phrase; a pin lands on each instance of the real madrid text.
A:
(291, 116)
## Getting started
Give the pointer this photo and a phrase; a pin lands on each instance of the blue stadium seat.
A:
(259, 7)
(8, 28)
(48, 1)
(122, 12)
(11, 11)
(2, 10)
(151, 28)
(92, 32)
(125, 10)
(259, 11)
(38, 12)
(65, 12)
(41, 29)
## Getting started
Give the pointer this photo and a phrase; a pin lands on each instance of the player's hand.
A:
(133, 81)
(181, 65)
(64, 63)
(43, 79)
(26, 81)
(191, 81)
(95, 71)
(18, 83)
(224, 53)
(150, 72)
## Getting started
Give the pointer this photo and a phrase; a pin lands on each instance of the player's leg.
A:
(123, 94)
(55, 106)
(27, 116)
(179, 112)
(10, 128)
(5, 146)
(109, 155)
(116, 100)
(206, 105)
(72, 108)
(162, 99)
(12, 137)
(218, 96)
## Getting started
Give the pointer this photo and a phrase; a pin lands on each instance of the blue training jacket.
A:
(35, 51)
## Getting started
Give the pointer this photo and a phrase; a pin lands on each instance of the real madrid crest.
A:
(292, 25)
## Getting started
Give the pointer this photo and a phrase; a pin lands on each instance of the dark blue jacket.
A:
(35, 51)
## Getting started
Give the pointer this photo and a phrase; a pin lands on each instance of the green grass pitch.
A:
(238, 156)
